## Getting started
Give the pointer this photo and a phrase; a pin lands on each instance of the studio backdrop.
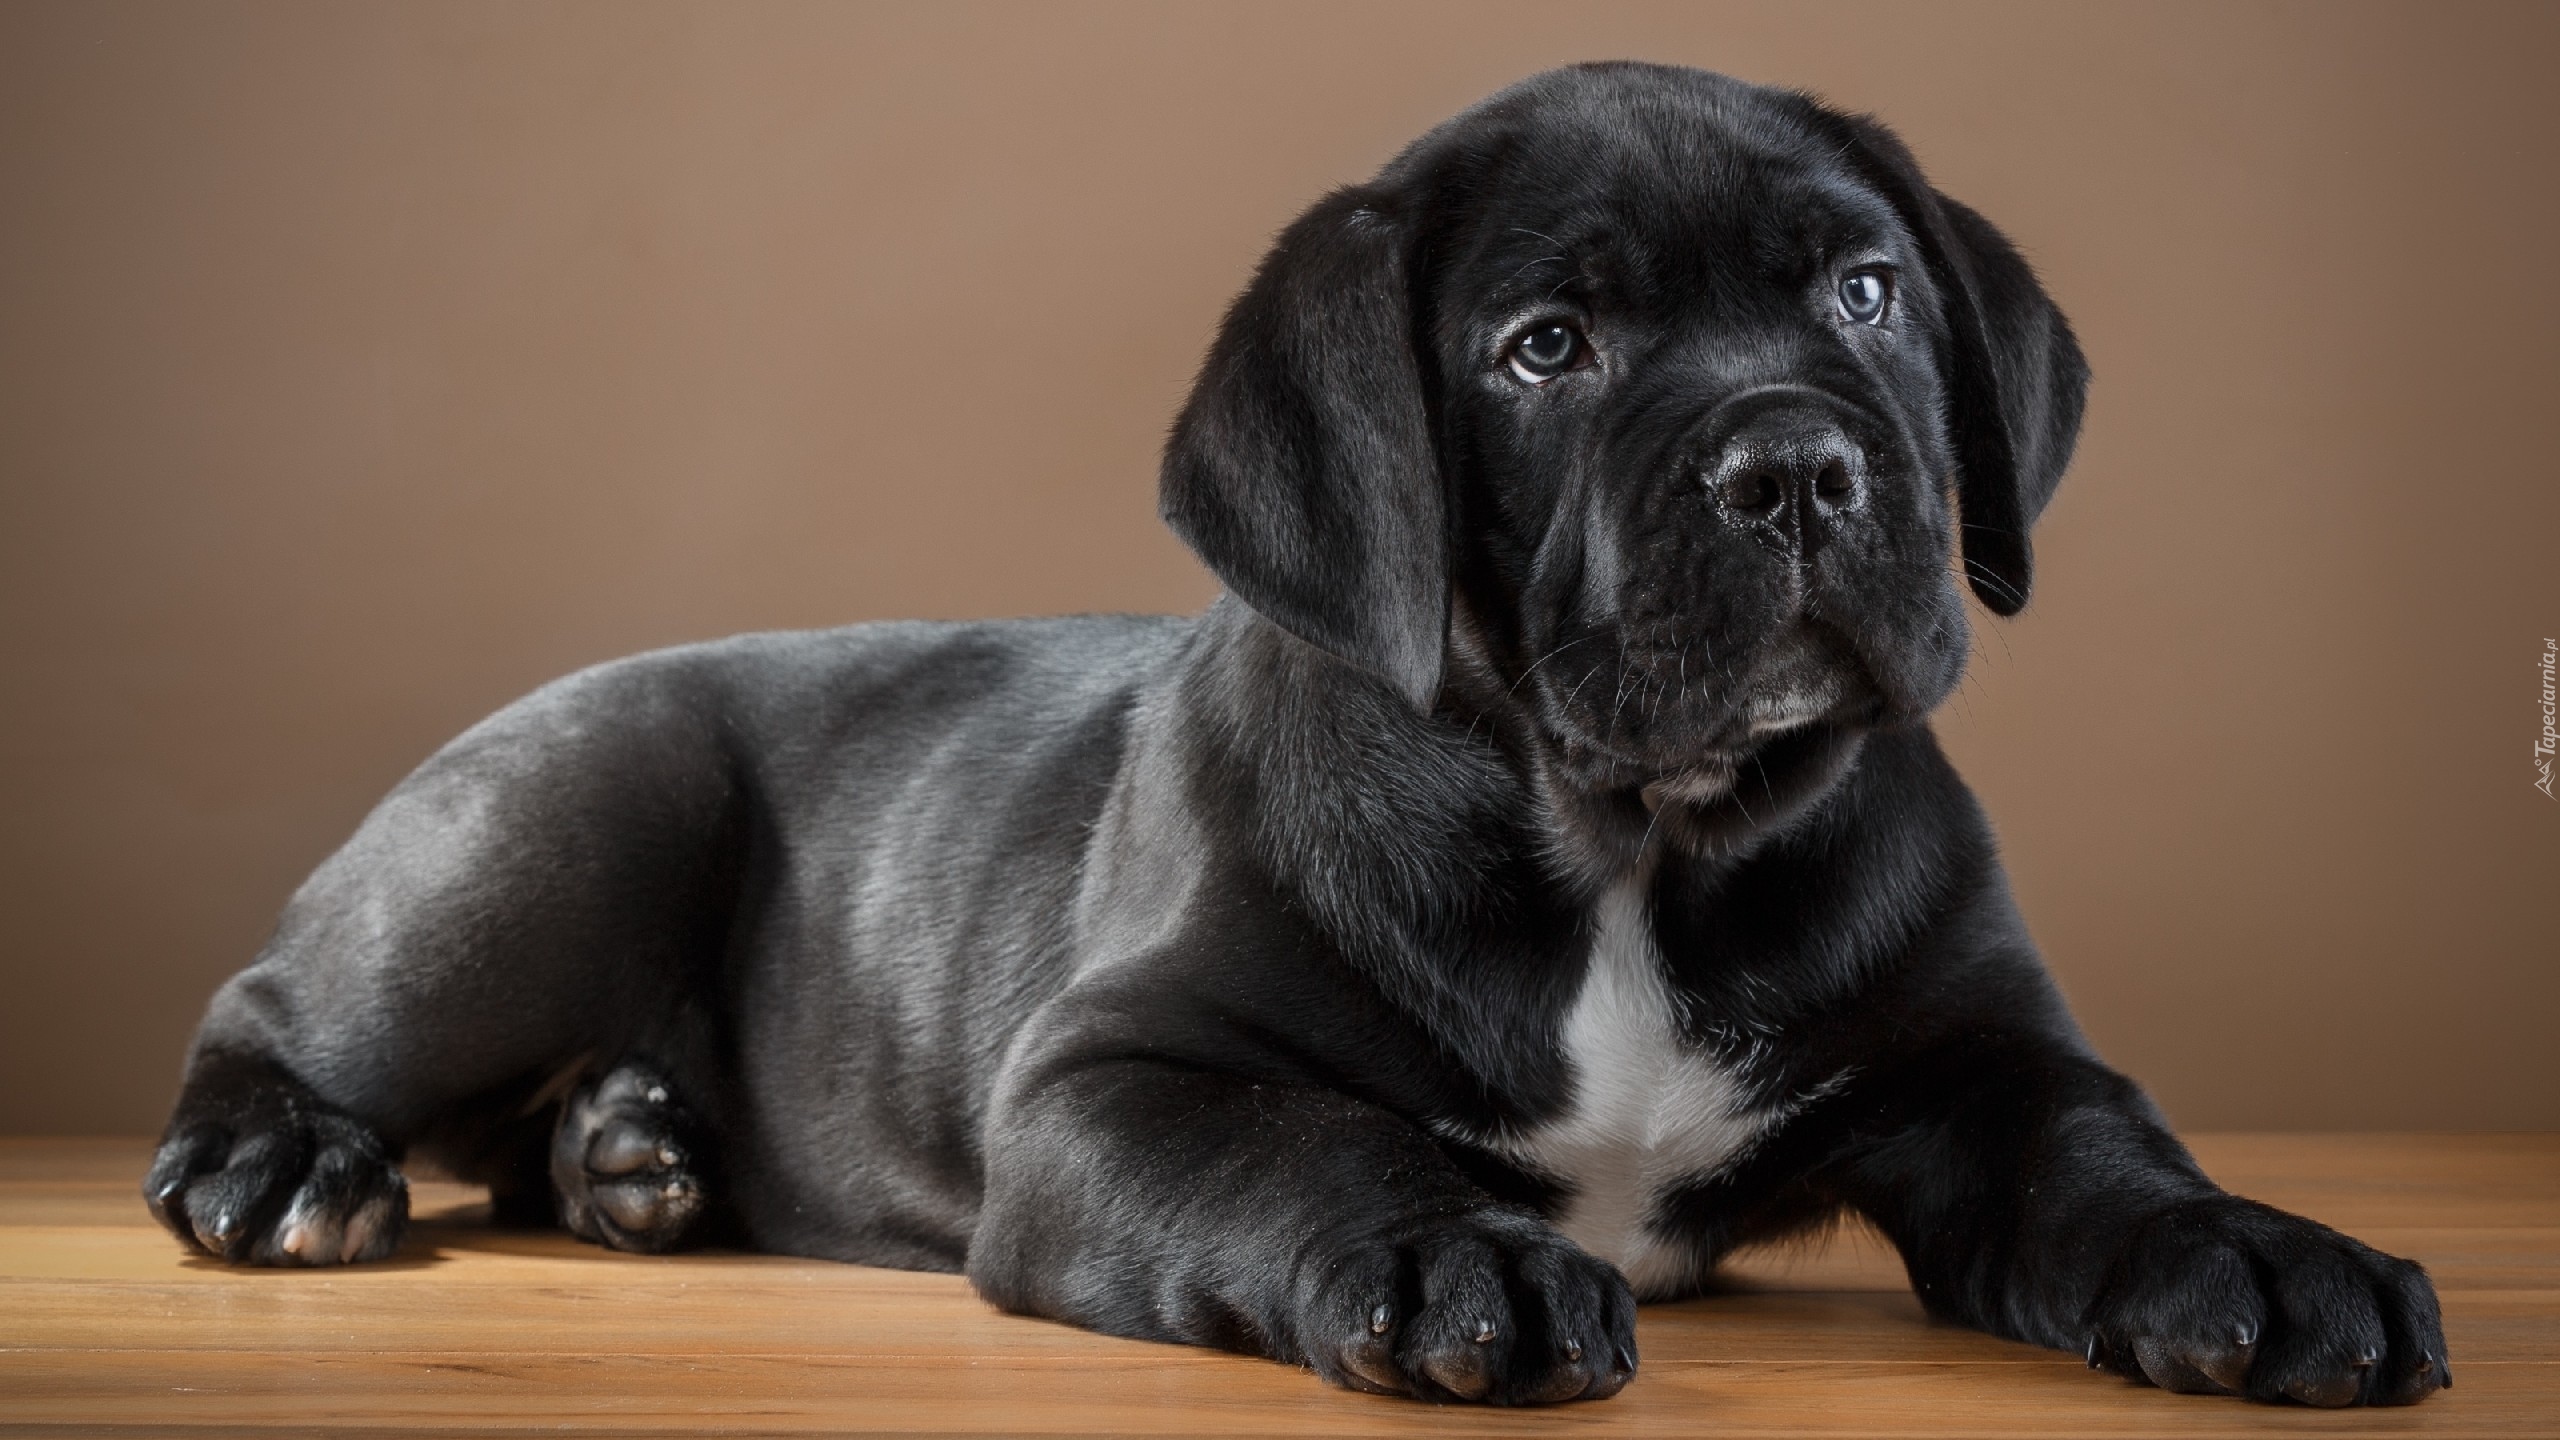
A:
(364, 366)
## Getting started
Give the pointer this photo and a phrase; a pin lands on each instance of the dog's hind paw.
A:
(289, 1184)
(625, 1165)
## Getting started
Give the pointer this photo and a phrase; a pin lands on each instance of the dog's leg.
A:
(554, 885)
(2036, 1194)
(1174, 1203)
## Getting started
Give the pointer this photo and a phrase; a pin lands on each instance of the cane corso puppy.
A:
(1533, 878)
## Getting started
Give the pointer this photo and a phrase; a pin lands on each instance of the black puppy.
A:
(1535, 877)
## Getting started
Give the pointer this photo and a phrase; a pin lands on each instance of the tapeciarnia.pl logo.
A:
(2550, 739)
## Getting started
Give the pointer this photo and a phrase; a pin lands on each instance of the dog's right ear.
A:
(1302, 469)
(2015, 374)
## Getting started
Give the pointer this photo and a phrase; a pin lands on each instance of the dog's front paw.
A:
(2225, 1296)
(1493, 1306)
(291, 1183)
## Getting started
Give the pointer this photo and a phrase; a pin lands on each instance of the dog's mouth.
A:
(1709, 802)
(1804, 678)
(1691, 743)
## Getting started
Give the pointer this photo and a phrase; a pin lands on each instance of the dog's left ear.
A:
(1302, 469)
(2014, 372)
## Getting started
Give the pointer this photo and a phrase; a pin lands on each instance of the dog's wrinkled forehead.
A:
(1617, 190)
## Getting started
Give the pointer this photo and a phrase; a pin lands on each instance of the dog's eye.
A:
(1546, 350)
(1864, 294)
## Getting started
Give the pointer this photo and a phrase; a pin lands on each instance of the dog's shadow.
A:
(441, 1232)
(410, 1256)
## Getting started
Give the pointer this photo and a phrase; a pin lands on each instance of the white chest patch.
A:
(1649, 1110)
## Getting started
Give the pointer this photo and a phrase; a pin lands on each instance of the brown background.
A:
(362, 366)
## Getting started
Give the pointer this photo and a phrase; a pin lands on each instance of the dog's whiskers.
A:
(1645, 843)
(1981, 576)
(1541, 660)
(1578, 684)
(1618, 701)
(1541, 260)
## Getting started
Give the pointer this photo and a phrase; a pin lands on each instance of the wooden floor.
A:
(106, 1328)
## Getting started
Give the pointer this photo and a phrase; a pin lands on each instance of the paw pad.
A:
(621, 1164)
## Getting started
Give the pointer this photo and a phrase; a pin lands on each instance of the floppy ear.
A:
(2015, 377)
(1302, 469)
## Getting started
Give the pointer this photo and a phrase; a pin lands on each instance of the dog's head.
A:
(1657, 397)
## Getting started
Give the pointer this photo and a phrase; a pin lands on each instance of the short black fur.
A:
(1260, 980)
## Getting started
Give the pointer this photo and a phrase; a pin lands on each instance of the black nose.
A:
(1800, 480)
